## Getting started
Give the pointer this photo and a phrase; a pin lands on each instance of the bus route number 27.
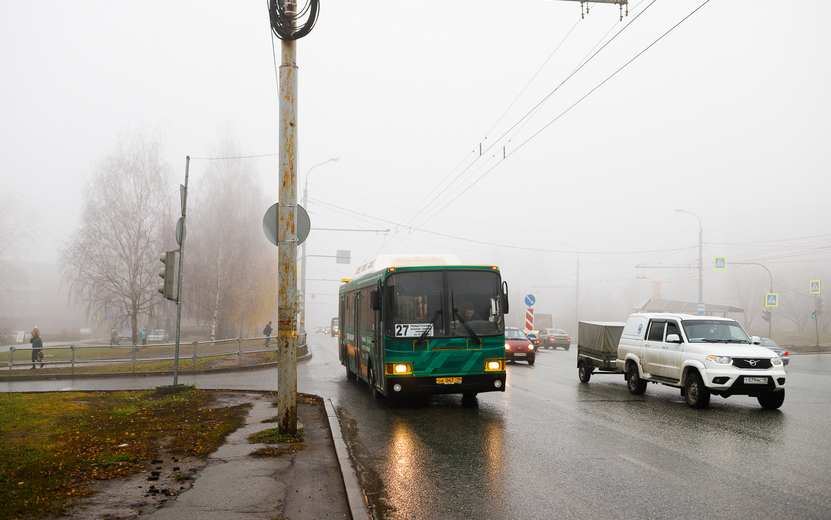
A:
(413, 330)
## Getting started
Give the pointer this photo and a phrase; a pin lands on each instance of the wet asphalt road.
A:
(551, 447)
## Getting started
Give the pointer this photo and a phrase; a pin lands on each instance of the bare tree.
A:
(17, 231)
(234, 276)
(112, 260)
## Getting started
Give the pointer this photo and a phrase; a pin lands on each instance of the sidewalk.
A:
(316, 482)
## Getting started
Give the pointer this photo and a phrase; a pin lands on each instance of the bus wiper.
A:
(456, 313)
(432, 322)
(472, 334)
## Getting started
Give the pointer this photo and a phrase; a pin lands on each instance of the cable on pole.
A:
(284, 22)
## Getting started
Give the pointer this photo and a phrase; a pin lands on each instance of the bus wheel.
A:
(375, 393)
(350, 375)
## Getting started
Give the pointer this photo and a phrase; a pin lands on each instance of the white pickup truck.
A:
(701, 355)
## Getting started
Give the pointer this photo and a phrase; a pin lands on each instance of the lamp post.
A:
(576, 290)
(303, 246)
(700, 250)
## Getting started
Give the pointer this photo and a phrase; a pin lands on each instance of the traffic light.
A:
(166, 273)
(820, 305)
(814, 315)
(765, 315)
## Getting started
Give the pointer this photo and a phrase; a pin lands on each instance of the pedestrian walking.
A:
(143, 337)
(37, 348)
(267, 331)
(113, 337)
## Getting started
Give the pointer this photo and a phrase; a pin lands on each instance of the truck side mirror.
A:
(673, 338)
(756, 340)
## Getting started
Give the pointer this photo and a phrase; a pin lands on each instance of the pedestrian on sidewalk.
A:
(267, 331)
(113, 337)
(143, 337)
(37, 348)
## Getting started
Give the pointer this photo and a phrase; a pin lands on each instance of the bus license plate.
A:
(520, 354)
(448, 380)
(755, 380)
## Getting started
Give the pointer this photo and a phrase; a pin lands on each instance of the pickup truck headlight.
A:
(721, 360)
(776, 361)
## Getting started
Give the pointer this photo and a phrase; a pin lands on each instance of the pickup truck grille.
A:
(757, 363)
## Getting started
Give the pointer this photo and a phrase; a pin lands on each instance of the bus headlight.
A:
(399, 369)
(494, 365)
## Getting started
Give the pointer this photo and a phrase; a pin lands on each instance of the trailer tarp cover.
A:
(599, 336)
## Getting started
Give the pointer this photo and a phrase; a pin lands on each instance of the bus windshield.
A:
(443, 303)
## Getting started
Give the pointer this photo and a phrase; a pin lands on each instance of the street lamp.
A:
(700, 249)
(303, 246)
(576, 290)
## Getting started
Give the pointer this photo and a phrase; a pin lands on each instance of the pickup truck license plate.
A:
(755, 380)
(448, 380)
(520, 354)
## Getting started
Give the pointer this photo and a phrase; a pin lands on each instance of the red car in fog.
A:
(518, 347)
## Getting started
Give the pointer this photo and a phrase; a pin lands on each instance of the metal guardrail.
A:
(201, 350)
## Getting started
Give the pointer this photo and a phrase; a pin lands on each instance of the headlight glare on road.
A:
(720, 360)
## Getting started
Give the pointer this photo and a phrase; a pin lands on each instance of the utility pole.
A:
(287, 237)
(700, 255)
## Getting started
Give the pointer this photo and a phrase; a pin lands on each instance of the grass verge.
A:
(53, 445)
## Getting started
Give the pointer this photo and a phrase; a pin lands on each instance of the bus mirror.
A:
(505, 298)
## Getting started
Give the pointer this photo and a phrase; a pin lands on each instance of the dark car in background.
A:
(518, 347)
(553, 338)
(781, 352)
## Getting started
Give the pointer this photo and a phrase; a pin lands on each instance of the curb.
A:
(354, 495)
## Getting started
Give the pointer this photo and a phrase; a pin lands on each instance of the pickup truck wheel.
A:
(696, 394)
(771, 401)
(584, 372)
(637, 386)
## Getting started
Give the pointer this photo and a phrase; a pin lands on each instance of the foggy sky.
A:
(726, 116)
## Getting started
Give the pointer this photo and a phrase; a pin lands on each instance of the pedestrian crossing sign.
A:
(814, 286)
(720, 262)
(771, 299)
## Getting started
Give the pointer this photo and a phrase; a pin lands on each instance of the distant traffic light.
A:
(766, 315)
(820, 305)
(166, 273)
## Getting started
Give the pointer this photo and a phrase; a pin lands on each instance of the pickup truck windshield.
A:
(714, 331)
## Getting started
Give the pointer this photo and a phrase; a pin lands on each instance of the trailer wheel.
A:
(696, 394)
(584, 372)
(637, 386)
(771, 401)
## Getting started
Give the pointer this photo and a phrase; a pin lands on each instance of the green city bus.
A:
(424, 324)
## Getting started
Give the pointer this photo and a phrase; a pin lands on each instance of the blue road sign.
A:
(530, 300)
(771, 299)
(814, 286)
(720, 262)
